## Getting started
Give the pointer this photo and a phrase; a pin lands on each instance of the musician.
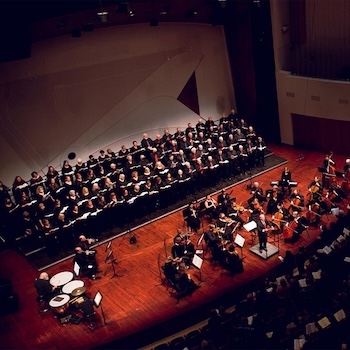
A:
(18, 187)
(314, 212)
(67, 170)
(234, 212)
(275, 198)
(210, 237)
(224, 202)
(191, 217)
(178, 249)
(296, 201)
(232, 262)
(86, 261)
(44, 288)
(328, 164)
(85, 243)
(189, 251)
(263, 226)
(169, 270)
(315, 188)
(257, 192)
(92, 162)
(210, 207)
(223, 224)
(251, 152)
(286, 178)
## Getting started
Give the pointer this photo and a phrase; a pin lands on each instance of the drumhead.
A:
(70, 286)
(59, 300)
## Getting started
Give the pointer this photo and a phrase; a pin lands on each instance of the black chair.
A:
(162, 346)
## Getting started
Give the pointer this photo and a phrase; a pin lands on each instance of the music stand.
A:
(76, 269)
(239, 240)
(113, 262)
(200, 243)
(197, 262)
(98, 302)
(250, 226)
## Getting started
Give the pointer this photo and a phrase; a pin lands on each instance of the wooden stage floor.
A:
(136, 300)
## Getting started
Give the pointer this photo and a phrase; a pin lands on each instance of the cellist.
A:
(315, 189)
(296, 202)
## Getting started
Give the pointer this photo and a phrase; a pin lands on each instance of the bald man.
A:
(43, 286)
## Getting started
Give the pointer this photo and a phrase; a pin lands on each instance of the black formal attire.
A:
(262, 233)
(44, 289)
(286, 177)
(87, 263)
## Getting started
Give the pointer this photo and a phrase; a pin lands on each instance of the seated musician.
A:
(185, 285)
(275, 197)
(210, 237)
(210, 207)
(315, 188)
(296, 201)
(234, 212)
(232, 262)
(178, 249)
(169, 270)
(280, 215)
(257, 192)
(223, 224)
(189, 251)
(85, 243)
(86, 261)
(314, 212)
(255, 209)
(286, 178)
(44, 288)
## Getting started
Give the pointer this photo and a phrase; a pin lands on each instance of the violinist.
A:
(210, 237)
(257, 192)
(255, 209)
(346, 175)
(223, 225)
(286, 178)
(189, 251)
(315, 189)
(234, 212)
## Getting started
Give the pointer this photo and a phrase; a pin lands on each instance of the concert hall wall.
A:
(106, 88)
(305, 96)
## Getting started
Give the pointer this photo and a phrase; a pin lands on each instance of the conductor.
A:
(263, 227)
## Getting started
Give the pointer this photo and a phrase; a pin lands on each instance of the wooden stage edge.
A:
(137, 302)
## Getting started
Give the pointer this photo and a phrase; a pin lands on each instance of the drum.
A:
(70, 286)
(59, 304)
(61, 278)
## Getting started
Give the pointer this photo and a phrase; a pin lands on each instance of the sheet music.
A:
(317, 274)
(249, 226)
(197, 261)
(340, 315)
(324, 322)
